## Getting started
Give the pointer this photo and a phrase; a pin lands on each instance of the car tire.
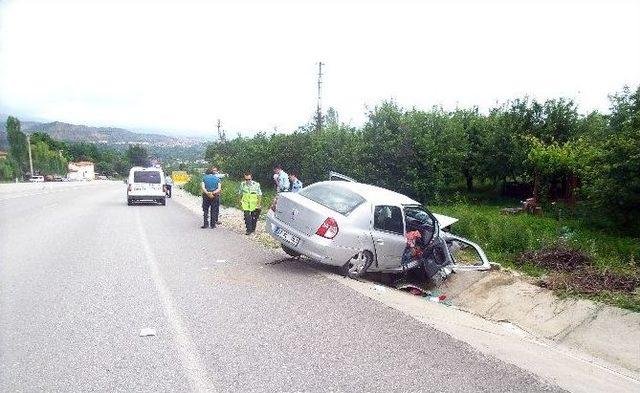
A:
(357, 266)
(129, 202)
(163, 201)
(289, 251)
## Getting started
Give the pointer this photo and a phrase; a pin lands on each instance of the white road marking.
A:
(191, 363)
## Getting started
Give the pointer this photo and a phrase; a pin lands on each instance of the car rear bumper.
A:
(148, 197)
(315, 247)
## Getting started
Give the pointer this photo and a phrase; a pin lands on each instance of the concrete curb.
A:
(600, 330)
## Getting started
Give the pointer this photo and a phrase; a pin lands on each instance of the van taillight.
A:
(129, 188)
(328, 229)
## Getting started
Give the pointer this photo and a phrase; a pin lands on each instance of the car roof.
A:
(150, 169)
(374, 194)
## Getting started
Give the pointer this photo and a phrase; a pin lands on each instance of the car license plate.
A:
(286, 236)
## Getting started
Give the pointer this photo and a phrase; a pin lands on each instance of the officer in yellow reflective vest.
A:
(250, 202)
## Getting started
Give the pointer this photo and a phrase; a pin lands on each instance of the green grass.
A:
(505, 237)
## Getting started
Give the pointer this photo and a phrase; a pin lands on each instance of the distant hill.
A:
(102, 135)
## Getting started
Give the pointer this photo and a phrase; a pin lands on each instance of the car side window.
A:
(388, 218)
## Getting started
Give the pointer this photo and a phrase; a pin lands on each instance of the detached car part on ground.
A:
(362, 228)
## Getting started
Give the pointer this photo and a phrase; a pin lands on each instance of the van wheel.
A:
(163, 201)
(357, 266)
(289, 251)
(129, 202)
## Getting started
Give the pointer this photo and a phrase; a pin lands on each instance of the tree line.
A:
(521, 147)
(51, 157)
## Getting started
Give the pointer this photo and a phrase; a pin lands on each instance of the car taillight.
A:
(274, 204)
(328, 229)
(129, 188)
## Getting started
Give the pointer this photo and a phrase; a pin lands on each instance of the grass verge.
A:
(507, 238)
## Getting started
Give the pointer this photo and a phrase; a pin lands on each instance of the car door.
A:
(388, 235)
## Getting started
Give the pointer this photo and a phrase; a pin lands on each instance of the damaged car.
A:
(363, 228)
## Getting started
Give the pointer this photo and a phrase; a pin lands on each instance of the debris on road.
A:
(413, 289)
(147, 332)
(379, 288)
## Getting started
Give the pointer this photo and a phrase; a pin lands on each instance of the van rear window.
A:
(146, 177)
(335, 198)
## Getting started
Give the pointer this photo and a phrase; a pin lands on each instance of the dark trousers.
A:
(168, 191)
(214, 206)
(251, 220)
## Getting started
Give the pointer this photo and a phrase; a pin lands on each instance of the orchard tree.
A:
(137, 156)
(18, 149)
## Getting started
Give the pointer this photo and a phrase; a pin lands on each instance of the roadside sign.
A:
(180, 177)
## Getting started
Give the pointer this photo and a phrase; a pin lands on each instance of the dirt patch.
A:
(571, 271)
(557, 257)
(590, 281)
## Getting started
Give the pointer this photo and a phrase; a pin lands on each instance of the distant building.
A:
(81, 170)
(3, 155)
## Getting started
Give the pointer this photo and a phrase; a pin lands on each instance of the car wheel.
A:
(129, 202)
(163, 201)
(358, 265)
(290, 252)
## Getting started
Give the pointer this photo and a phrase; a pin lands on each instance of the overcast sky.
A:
(177, 66)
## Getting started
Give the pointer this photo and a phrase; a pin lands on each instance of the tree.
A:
(47, 161)
(7, 169)
(611, 176)
(46, 138)
(17, 145)
(137, 156)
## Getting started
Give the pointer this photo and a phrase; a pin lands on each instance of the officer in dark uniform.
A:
(210, 199)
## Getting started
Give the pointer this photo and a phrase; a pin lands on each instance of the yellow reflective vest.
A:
(250, 193)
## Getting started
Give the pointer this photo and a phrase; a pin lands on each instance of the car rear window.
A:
(146, 177)
(335, 198)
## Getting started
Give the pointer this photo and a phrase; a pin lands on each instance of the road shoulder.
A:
(557, 361)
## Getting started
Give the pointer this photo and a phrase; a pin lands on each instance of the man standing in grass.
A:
(282, 179)
(210, 198)
(250, 202)
(296, 184)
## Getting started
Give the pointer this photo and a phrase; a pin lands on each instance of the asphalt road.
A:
(81, 273)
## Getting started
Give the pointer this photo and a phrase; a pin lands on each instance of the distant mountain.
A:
(101, 135)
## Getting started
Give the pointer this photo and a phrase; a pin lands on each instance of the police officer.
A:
(210, 198)
(250, 201)
(217, 174)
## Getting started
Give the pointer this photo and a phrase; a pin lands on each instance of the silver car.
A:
(362, 228)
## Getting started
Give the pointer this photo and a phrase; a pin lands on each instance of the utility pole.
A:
(221, 135)
(319, 108)
(30, 160)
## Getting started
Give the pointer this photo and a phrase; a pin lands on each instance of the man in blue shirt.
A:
(210, 198)
(296, 184)
(282, 179)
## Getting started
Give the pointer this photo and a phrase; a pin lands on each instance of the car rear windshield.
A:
(146, 177)
(335, 198)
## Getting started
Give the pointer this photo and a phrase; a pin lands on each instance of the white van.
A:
(146, 184)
